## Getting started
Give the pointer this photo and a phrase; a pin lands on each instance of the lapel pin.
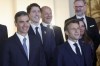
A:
(92, 26)
(45, 32)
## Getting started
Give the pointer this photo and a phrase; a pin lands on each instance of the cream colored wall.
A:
(60, 10)
(6, 15)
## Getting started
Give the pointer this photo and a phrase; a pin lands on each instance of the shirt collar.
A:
(45, 25)
(71, 42)
(80, 16)
(21, 37)
(34, 26)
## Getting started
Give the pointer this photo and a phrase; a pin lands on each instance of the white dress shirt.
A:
(27, 41)
(78, 17)
(71, 43)
(45, 24)
(39, 29)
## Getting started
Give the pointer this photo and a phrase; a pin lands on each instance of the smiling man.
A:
(22, 49)
(74, 52)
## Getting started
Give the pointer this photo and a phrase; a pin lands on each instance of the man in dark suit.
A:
(3, 38)
(46, 14)
(90, 23)
(22, 49)
(74, 52)
(42, 33)
(91, 26)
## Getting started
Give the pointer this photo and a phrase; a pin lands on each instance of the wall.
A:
(6, 15)
(71, 9)
(60, 10)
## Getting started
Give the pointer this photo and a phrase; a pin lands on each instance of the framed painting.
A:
(93, 9)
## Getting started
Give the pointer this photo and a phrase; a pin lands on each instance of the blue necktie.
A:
(77, 49)
(25, 47)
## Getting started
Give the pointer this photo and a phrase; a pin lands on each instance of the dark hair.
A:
(82, 20)
(20, 13)
(80, 0)
(69, 22)
(32, 5)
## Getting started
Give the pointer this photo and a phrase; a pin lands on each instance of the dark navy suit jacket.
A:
(92, 30)
(48, 43)
(14, 55)
(58, 35)
(3, 38)
(66, 56)
(93, 33)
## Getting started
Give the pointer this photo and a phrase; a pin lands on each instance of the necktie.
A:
(37, 33)
(48, 26)
(77, 49)
(25, 47)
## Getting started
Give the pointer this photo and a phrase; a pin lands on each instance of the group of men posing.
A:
(41, 44)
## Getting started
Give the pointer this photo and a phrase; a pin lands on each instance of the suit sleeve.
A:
(6, 56)
(59, 57)
(42, 57)
(95, 37)
(61, 37)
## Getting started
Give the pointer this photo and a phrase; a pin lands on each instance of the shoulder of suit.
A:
(62, 46)
(10, 40)
(3, 26)
(56, 27)
(82, 43)
(89, 17)
(73, 17)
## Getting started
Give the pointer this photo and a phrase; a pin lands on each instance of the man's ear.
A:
(15, 23)
(66, 32)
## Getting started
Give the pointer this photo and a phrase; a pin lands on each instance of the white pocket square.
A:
(92, 26)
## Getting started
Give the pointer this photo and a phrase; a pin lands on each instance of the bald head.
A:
(46, 14)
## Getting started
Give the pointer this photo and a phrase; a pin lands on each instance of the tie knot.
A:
(48, 26)
(24, 39)
(36, 28)
(81, 19)
(75, 44)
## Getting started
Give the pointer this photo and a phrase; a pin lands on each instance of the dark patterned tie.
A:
(37, 33)
(77, 49)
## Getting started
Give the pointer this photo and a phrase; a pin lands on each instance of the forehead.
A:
(23, 17)
(73, 25)
(46, 9)
(79, 3)
(35, 8)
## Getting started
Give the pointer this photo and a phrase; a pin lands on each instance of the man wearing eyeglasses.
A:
(90, 23)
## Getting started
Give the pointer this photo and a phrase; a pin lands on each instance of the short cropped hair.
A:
(32, 5)
(69, 22)
(80, 0)
(20, 13)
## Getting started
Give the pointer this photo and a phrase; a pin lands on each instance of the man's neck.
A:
(23, 34)
(74, 40)
(36, 24)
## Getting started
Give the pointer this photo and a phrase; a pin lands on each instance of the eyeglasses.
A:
(79, 6)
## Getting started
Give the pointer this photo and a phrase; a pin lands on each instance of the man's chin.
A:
(78, 14)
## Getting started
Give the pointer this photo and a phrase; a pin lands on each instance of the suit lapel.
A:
(18, 43)
(71, 52)
(44, 33)
(31, 47)
(31, 31)
(82, 49)
(89, 23)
